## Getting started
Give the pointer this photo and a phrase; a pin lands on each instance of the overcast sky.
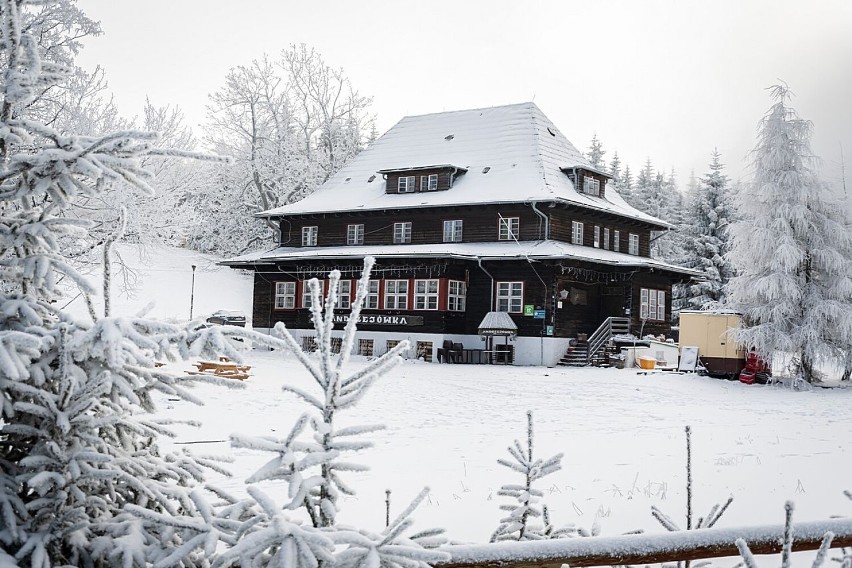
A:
(665, 80)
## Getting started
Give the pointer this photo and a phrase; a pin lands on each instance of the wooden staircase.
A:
(596, 350)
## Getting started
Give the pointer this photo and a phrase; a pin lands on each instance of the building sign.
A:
(539, 314)
(379, 319)
(528, 309)
(550, 330)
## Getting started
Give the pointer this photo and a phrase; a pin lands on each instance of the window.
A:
(309, 236)
(344, 294)
(633, 244)
(429, 183)
(372, 300)
(365, 347)
(355, 234)
(423, 351)
(591, 185)
(396, 294)
(336, 344)
(597, 241)
(616, 237)
(576, 232)
(606, 239)
(510, 297)
(285, 295)
(309, 343)
(456, 296)
(652, 304)
(509, 227)
(453, 231)
(406, 184)
(426, 294)
(402, 232)
(306, 292)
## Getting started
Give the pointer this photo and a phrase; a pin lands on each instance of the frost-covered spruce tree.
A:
(312, 458)
(524, 509)
(791, 250)
(706, 238)
(77, 444)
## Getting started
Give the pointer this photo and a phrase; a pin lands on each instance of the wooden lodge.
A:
(466, 213)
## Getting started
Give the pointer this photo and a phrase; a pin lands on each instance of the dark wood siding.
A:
(480, 224)
(592, 293)
(653, 281)
(560, 228)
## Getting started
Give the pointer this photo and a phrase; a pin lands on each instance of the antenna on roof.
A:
(533, 99)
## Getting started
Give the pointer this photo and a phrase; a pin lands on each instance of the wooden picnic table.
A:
(223, 368)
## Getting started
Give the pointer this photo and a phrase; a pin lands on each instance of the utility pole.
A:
(192, 293)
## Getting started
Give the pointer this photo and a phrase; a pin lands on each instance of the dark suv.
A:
(228, 317)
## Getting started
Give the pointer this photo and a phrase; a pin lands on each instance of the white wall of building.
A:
(529, 351)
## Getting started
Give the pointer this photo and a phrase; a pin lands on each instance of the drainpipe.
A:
(546, 220)
(491, 305)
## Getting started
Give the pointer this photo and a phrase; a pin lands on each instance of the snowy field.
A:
(621, 433)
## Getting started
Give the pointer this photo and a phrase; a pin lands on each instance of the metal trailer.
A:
(710, 332)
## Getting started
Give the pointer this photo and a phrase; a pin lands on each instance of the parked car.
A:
(228, 317)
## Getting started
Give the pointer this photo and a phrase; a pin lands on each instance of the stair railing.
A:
(601, 337)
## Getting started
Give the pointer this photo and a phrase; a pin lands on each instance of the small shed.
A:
(499, 324)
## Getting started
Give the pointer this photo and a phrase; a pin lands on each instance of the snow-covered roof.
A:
(532, 250)
(512, 154)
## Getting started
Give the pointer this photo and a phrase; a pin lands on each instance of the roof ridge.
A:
(445, 112)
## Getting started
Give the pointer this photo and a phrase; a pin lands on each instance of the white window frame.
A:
(306, 293)
(405, 184)
(427, 294)
(616, 240)
(429, 182)
(309, 236)
(508, 228)
(344, 294)
(597, 241)
(633, 244)
(510, 297)
(591, 186)
(285, 295)
(606, 239)
(396, 294)
(456, 295)
(402, 232)
(371, 302)
(652, 304)
(576, 232)
(453, 231)
(355, 234)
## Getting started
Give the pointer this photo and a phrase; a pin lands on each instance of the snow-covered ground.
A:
(622, 433)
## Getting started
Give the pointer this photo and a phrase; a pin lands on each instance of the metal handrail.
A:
(603, 334)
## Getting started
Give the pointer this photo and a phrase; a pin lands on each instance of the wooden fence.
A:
(644, 549)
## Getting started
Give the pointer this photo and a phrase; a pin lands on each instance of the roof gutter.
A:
(543, 216)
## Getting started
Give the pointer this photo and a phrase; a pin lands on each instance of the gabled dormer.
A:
(587, 180)
(421, 179)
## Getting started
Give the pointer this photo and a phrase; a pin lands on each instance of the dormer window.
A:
(421, 179)
(406, 184)
(591, 185)
(429, 183)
